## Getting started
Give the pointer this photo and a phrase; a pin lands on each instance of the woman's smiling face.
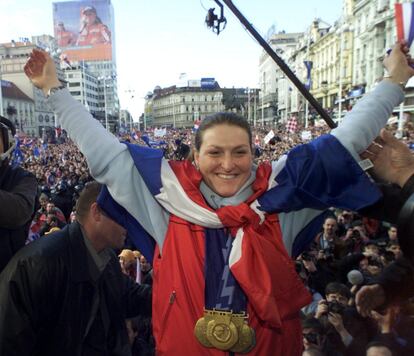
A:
(225, 158)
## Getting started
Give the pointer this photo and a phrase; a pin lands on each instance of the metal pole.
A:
(106, 114)
(173, 100)
(307, 103)
(341, 64)
(255, 107)
(263, 105)
(282, 65)
(248, 106)
(399, 133)
(287, 97)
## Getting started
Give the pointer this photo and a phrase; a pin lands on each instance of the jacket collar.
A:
(78, 254)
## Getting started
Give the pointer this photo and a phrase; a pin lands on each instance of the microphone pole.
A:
(282, 65)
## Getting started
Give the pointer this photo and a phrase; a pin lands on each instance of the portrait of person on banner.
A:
(64, 37)
(92, 30)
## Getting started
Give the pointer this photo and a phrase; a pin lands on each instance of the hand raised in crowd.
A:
(336, 320)
(398, 63)
(321, 309)
(387, 320)
(393, 161)
(368, 298)
(41, 70)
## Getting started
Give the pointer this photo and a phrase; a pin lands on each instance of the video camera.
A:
(335, 307)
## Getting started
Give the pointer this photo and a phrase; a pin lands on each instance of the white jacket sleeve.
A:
(357, 131)
(110, 163)
(371, 113)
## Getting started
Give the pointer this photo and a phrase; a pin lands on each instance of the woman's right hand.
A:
(398, 64)
(41, 70)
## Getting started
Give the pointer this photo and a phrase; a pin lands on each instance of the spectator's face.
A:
(395, 249)
(329, 227)
(145, 266)
(43, 203)
(311, 338)
(113, 234)
(392, 233)
(225, 159)
(50, 207)
(374, 270)
(363, 265)
(379, 351)
(338, 298)
(372, 250)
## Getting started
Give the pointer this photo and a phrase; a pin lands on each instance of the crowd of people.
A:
(351, 250)
(309, 292)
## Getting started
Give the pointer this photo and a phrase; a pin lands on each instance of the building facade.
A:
(181, 107)
(13, 57)
(19, 108)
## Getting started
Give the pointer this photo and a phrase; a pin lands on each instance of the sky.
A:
(157, 40)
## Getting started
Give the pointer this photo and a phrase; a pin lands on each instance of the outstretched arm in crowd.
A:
(355, 134)
(394, 170)
(364, 122)
(109, 160)
(393, 163)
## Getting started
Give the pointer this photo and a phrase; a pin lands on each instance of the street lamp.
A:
(105, 106)
(132, 93)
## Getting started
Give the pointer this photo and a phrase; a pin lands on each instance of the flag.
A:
(292, 125)
(36, 152)
(134, 135)
(404, 22)
(17, 157)
(308, 66)
(269, 136)
(146, 139)
(160, 132)
(196, 125)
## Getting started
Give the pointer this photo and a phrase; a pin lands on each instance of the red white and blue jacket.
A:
(162, 206)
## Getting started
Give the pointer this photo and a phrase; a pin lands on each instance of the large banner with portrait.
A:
(84, 30)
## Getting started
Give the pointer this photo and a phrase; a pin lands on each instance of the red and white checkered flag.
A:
(292, 124)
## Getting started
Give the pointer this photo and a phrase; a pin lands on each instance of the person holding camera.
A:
(315, 341)
(344, 328)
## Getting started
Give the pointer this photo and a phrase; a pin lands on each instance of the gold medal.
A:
(200, 331)
(247, 338)
(221, 331)
(225, 331)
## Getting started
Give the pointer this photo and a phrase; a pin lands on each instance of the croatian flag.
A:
(292, 125)
(404, 21)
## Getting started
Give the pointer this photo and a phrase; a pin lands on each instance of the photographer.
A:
(315, 339)
(319, 270)
(344, 328)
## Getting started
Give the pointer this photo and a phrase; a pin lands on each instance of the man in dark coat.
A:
(18, 189)
(65, 294)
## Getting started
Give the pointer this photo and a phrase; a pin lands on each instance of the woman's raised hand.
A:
(41, 70)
